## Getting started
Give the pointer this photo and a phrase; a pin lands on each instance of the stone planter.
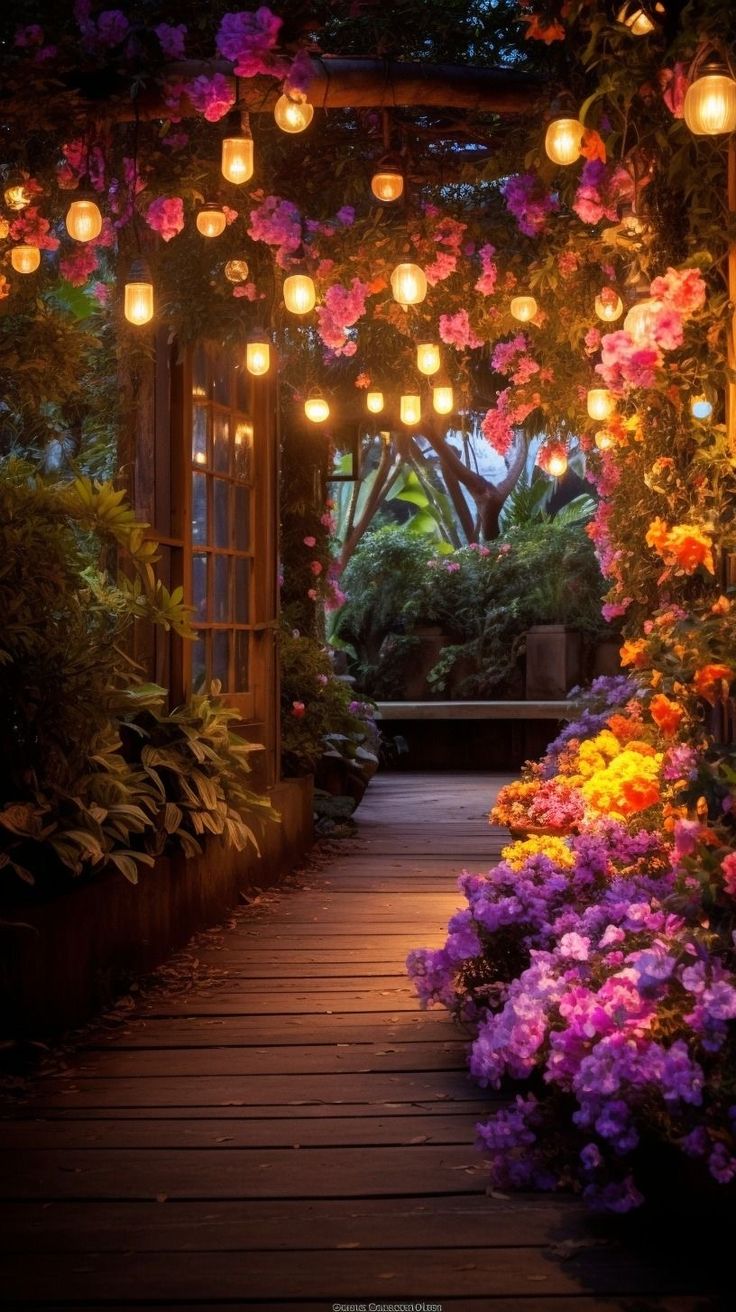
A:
(554, 655)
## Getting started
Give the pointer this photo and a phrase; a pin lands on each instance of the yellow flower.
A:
(4, 229)
(539, 845)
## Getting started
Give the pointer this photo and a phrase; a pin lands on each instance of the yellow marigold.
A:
(595, 753)
(633, 652)
(690, 548)
(512, 804)
(539, 845)
(657, 535)
(629, 784)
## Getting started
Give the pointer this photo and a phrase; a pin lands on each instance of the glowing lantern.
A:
(563, 139)
(410, 409)
(299, 293)
(710, 102)
(83, 220)
(25, 259)
(640, 320)
(138, 295)
(603, 439)
(608, 305)
(236, 270)
(428, 358)
(601, 403)
(701, 407)
(374, 402)
(17, 196)
(408, 284)
(443, 400)
(316, 408)
(523, 308)
(237, 155)
(557, 464)
(387, 183)
(293, 113)
(258, 354)
(638, 17)
(211, 220)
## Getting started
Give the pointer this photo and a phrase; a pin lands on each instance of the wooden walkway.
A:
(292, 1132)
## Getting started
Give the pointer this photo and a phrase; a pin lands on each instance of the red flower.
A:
(298, 710)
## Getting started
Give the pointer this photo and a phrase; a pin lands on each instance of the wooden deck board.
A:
(291, 1130)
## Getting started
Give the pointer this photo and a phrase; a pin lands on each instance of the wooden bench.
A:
(526, 710)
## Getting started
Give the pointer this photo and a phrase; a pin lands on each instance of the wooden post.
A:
(731, 334)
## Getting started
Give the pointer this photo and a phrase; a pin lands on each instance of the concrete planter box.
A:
(554, 661)
(62, 960)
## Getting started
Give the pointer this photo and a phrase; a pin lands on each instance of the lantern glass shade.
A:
(601, 403)
(410, 408)
(636, 18)
(443, 400)
(25, 259)
(258, 357)
(710, 104)
(84, 220)
(523, 308)
(701, 407)
(640, 320)
(387, 185)
(608, 305)
(408, 284)
(563, 139)
(299, 293)
(317, 409)
(236, 270)
(17, 196)
(603, 439)
(237, 159)
(293, 114)
(557, 465)
(374, 402)
(211, 221)
(428, 358)
(138, 302)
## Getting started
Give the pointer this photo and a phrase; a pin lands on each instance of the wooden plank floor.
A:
(291, 1132)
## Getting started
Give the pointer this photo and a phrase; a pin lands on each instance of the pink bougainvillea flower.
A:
(310, 541)
(166, 216)
(277, 223)
(248, 39)
(443, 265)
(299, 74)
(172, 39)
(247, 290)
(728, 866)
(212, 96)
(486, 283)
(625, 363)
(682, 290)
(79, 265)
(667, 329)
(455, 330)
(601, 191)
(32, 228)
(316, 567)
(674, 83)
(530, 202)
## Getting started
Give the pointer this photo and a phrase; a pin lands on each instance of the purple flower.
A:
(247, 39)
(172, 39)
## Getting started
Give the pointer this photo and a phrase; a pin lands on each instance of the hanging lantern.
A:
(258, 354)
(316, 408)
(601, 403)
(701, 407)
(608, 305)
(84, 220)
(299, 293)
(408, 284)
(710, 102)
(17, 196)
(639, 18)
(410, 408)
(293, 113)
(237, 155)
(236, 270)
(523, 308)
(138, 294)
(374, 402)
(211, 220)
(604, 439)
(428, 358)
(443, 400)
(557, 464)
(387, 182)
(25, 259)
(641, 318)
(563, 139)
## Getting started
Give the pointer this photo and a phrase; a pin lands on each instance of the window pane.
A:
(242, 591)
(219, 659)
(221, 590)
(242, 647)
(221, 441)
(199, 435)
(221, 513)
(199, 372)
(199, 586)
(243, 450)
(242, 388)
(242, 518)
(199, 508)
(199, 662)
(221, 370)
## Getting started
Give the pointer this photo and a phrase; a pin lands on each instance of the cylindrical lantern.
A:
(443, 400)
(408, 284)
(638, 17)
(563, 139)
(410, 408)
(603, 439)
(374, 402)
(236, 270)
(237, 155)
(387, 182)
(523, 308)
(428, 358)
(84, 220)
(25, 259)
(299, 293)
(640, 320)
(608, 305)
(17, 196)
(138, 294)
(601, 403)
(258, 354)
(211, 220)
(710, 102)
(293, 113)
(316, 408)
(701, 407)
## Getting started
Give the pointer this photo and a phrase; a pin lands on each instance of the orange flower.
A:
(633, 653)
(721, 607)
(541, 29)
(623, 728)
(666, 714)
(709, 681)
(657, 535)
(691, 547)
(593, 146)
(640, 793)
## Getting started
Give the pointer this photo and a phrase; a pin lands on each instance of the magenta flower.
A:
(79, 265)
(486, 283)
(455, 330)
(213, 96)
(172, 39)
(247, 40)
(529, 201)
(166, 216)
(112, 27)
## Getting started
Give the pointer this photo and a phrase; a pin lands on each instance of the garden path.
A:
(292, 1132)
